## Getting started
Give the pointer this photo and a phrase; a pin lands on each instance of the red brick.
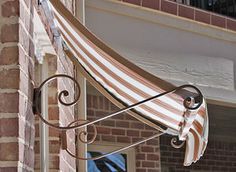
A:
(136, 139)
(9, 151)
(9, 102)
(137, 125)
(202, 16)
(140, 170)
(53, 113)
(100, 113)
(107, 104)
(147, 149)
(140, 156)
(100, 102)
(129, 117)
(153, 142)
(54, 162)
(91, 135)
(89, 101)
(9, 55)
(147, 127)
(37, 130)
(90, 112)
(10, 77)
(169, 7)
(123, 139)
(154, 170)
(120, 116)
(10, 8)
(10, 33)
(53, 132)
(54, 146)
(8, 169)
(5, 130)
(133, 133)
(146, 133)
(231, 24)
(154, 4)
(153, 157)
(185, 11)
(108, 123)
(136, 2)
(218, 20)
(95, 102)
(103, 130)
(52, 67)
(108, 138)
(37, 147)
(52, 97)
(123, 124)
(148, 164)
(113, 107)
(117, 132)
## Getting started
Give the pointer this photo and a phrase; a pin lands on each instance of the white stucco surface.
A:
(175, 49)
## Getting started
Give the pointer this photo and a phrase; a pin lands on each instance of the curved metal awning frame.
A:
(189, 96)
(75, 124)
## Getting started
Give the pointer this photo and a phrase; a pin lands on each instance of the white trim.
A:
(43, 128)
(82, 104)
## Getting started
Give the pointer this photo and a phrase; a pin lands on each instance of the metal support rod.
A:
(80, 124)
(66, 93)
(117, 150)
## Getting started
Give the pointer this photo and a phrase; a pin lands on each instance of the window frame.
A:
(108, 147)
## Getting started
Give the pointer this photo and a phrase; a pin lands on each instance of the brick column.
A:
(16, 86)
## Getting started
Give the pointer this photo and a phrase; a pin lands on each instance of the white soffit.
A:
(172, 48)
(42, 42)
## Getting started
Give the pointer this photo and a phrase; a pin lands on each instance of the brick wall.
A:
(16, 85)
(124, 129)
(220, 155)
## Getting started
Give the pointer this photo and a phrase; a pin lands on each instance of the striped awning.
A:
(125, 84)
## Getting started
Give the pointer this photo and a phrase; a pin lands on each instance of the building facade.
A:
(175, 40)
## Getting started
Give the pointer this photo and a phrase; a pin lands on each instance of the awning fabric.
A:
(125, 84)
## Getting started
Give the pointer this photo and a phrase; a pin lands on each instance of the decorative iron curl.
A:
(63, 93)
(81, 138)
(85, 133)
(174, 143)
(197, 98)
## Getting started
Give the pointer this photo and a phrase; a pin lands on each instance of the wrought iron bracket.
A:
(37, 101)
(79, 124)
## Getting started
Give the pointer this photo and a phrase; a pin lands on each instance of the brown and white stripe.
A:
(129, 84)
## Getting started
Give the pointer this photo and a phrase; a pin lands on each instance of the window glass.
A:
(111, 163)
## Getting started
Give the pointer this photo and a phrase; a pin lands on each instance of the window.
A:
(111, 163)
(120, 162)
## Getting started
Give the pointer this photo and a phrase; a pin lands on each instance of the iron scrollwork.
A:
(190, 103)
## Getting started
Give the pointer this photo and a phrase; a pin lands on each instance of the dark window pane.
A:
(111, 163)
